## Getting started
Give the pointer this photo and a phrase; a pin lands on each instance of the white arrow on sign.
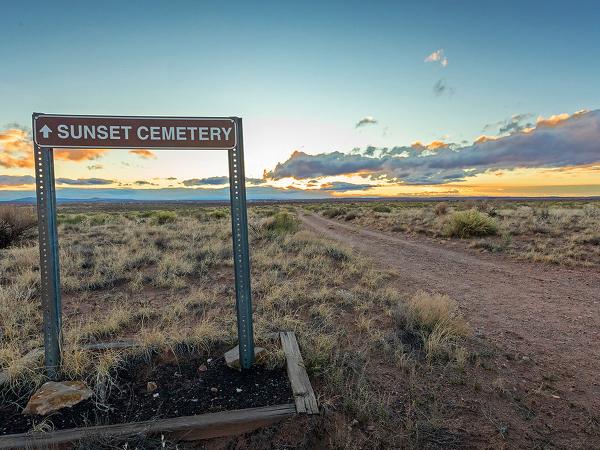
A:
(46, 131)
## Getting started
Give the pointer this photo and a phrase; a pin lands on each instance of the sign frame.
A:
(49, 249)
(37, 116)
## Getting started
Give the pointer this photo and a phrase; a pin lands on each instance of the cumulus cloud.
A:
(559, 141)
(144, 183)
(16, 180)
(438, 56)
(143, 153)
(365, 121)
(84, 181)
(433, 145)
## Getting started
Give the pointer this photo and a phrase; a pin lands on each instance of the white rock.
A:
(232, 357)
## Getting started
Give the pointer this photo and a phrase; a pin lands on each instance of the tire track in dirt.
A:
(548, 316)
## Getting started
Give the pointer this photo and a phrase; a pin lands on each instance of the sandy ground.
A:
(545, 320)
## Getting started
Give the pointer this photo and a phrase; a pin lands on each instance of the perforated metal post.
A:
(49, 261)
(239, 224)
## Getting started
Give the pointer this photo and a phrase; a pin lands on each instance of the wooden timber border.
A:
(190, 428)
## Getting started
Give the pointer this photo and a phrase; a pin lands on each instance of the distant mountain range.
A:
(32, 200)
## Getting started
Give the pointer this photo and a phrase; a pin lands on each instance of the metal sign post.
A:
(79, 132)
(49, 260)
(239, 225)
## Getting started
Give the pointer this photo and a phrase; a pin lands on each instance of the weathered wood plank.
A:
(203, 426)
(304, 396)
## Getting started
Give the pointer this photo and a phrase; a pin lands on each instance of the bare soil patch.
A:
(181, 390)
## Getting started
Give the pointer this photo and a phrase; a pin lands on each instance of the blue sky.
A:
(301, 74)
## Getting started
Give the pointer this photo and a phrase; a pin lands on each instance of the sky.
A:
(337, 98)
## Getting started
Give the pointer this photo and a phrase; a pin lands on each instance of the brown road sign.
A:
(200, 133)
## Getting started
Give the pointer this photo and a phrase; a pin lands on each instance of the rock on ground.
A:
(53, 396)
(232, 357)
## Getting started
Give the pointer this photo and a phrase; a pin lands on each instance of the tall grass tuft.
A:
(434, 318)
(282, 223)
(14, 223)
(465, 224)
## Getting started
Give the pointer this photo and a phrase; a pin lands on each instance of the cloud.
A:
(95, 167)
(16, 150)
(16, 180)
(513, 124)
(143, 153)
(218, 181)
(433, 145)
(365, 121)
(441, 87)
(556, 119)
(555, 142)
(256, 180)
(84, 181)
(342, 186)
(77, 155)
(210, 181)
(15, 140)
(144, 183)
(438, 56)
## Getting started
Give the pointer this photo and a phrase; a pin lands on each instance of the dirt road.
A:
(545, 320)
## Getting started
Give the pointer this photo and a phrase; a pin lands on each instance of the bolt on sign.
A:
(169, 133)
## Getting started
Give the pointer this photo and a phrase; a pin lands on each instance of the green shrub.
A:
(14, 223)
(72, 219)
(99, 219)
(146, 214)
(163, 217)
(266, 212)
(464, 224)
(282, 223)
(382, 209)
(218, 214)
(334, 212)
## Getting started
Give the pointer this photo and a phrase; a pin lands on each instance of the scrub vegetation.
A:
(15, 223)
(552, 231)
(380, 356)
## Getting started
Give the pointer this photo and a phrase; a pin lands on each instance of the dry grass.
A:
(470, 223)
(435, 320)
(165, 278)
(15, 222)
(556, 232)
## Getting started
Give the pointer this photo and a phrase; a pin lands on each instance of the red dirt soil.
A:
(544, 319)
